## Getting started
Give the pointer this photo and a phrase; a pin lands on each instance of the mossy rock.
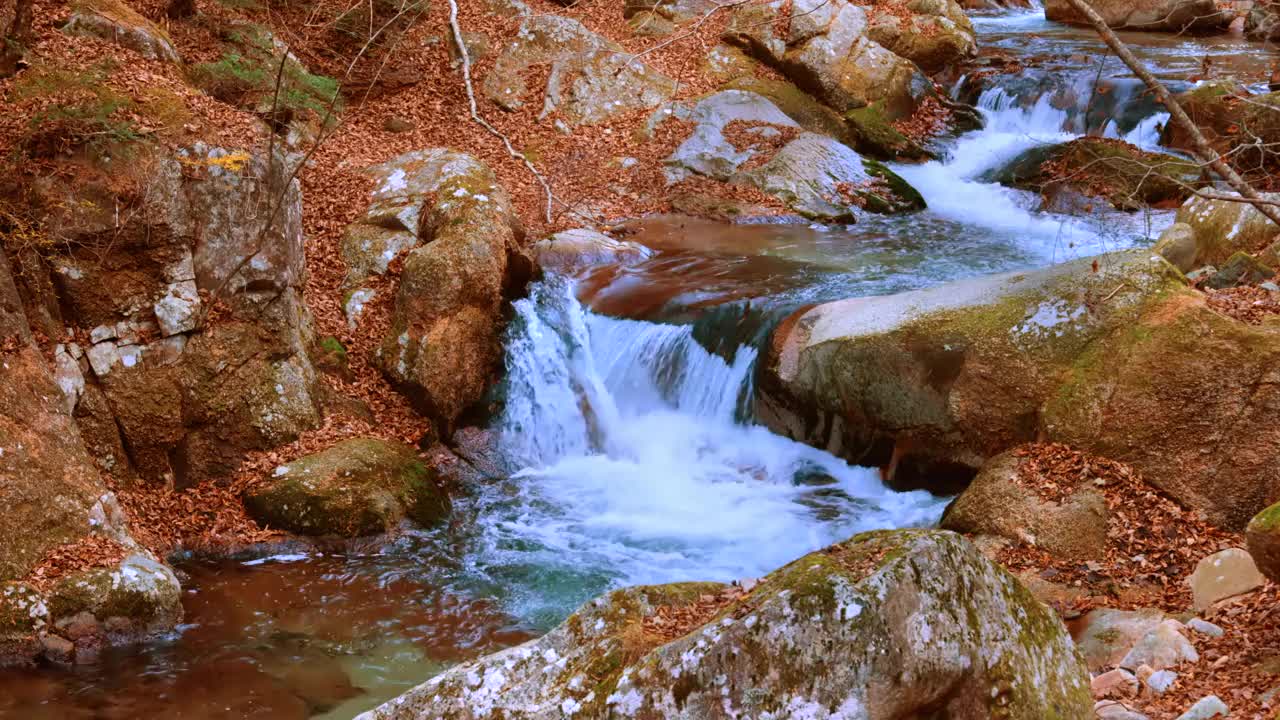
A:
(1240, 269)
(953, 374)
(1127, 177)
(871, 131)
(911, 623)
(359, 487)
(1263, 534)
(139, 589)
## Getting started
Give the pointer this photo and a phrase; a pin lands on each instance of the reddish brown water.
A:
(325, 637)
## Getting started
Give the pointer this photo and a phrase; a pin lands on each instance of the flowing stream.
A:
(626, 426)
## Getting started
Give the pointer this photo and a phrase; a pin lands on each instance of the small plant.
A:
(246, 76)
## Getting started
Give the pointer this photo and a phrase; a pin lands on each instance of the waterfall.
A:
(638, 468)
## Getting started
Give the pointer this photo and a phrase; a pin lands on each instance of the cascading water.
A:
(637, 466)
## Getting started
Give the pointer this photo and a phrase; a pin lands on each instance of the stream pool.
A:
(632, 457)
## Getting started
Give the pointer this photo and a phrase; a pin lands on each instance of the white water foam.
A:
(636, 466)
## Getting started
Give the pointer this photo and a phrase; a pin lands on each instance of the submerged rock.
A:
(444, 343)
(1114, 356)
(1263, 534)
(742, 138)
(579, 249)
(358, 487)
(998, 503)
(899, 623)
(1179, 16)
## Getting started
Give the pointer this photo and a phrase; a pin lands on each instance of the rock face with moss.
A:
(590, 78)
(887, 624)
(444, 347)
(52, 497)
(743, 139)
(1194, 16)
(1124, 361)
(1002, 502)
(356, 488)
(159, 390)
(1263, 535)
(1123, 175)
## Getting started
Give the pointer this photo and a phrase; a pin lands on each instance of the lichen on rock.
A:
(817, 638)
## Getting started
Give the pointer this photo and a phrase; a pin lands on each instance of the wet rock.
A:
(1240, 269)
(824, 47)
(1125, 176)
(997, 503)
(934, 34)
(1205, 708)
(1263, 536)
(815, 175)
(590, 78)
(356, 488)
(114, 21)
(1180, 16)
(571, 251)
(1177, 244)
(443, 347)
(970, 642)
(1222, 228)
(58, 650)
(1222, 575)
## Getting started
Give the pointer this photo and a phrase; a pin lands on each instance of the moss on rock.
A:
(359, 487)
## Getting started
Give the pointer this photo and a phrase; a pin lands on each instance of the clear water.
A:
(631, 456)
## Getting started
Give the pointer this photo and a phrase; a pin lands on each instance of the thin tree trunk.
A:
(1202, 150)
(14, 39)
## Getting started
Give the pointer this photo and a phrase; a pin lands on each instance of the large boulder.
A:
(359, 487)
(444, 347)
(825, 47)
(1113, 355)
(1126, 177)
(743, 139)
(67, 549)
(902, 624)
(1007, 502)
(188, 336)
(931, 33)
(1263, 22)
(1263, 535)
(590, 78)
(1215, 108)
(1179, 16)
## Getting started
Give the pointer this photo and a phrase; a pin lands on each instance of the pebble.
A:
(1205, 627)
(1112, 710)
(1161, 680)
(1205, 708)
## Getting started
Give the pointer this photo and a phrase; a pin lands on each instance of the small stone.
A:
(1161, 680)
(1269, 286)
(1205, 627)
(101, 333)
(1205, 708)
(1222, 575)
(396, 124)
(102, 356)
(1163, 647)
(1112, 710)
(58, 649)
(1117, 683)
